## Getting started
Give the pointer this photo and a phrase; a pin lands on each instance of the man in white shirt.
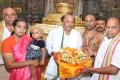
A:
(62, 37)
(107, 63)
(6, 28)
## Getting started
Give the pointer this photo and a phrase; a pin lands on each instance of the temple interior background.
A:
(41, 8)
(47, 13)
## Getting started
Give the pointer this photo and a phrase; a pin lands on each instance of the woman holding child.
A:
(14, 52)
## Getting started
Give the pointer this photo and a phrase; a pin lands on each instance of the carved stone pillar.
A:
(91, 6)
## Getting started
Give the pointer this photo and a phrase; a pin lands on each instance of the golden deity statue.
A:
(61, 9)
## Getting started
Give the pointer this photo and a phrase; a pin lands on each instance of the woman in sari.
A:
(14, 52)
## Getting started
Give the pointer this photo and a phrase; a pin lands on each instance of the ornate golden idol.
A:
(61, 9)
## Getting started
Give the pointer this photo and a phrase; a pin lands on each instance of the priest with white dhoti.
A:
(107, 63)
(58, 38)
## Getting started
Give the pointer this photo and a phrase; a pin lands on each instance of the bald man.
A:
(107, 63)
(91, 38)
(6, 28)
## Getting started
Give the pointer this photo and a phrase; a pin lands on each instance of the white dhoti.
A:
(51, 70)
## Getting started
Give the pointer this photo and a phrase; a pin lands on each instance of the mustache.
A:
(100, 28)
